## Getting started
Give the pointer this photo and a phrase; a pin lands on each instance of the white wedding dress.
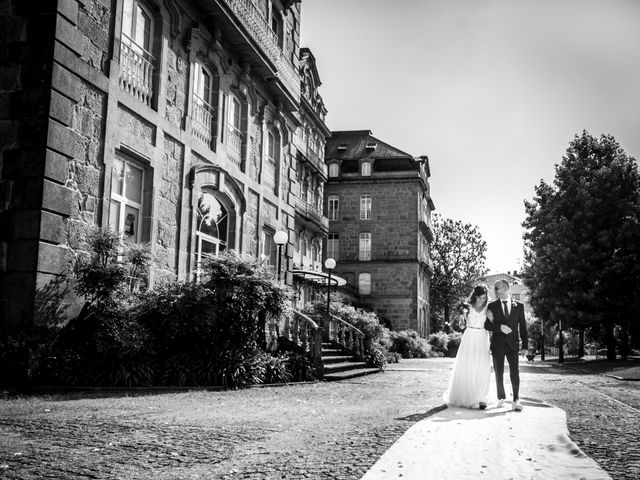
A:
(469, 384)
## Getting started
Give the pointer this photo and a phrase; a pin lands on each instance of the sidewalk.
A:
(497, 444)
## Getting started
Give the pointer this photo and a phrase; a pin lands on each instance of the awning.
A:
(321, 278)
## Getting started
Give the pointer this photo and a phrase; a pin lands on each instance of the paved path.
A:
(317, 431)
(497, 443)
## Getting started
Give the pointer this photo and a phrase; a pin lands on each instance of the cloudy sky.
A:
(492, 91)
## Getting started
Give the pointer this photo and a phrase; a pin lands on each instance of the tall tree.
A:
(458, 254)
(582, 240)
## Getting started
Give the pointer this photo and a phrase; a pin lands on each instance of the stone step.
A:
(337, 358)
(346, 374)
(340, 367)
(333, 352)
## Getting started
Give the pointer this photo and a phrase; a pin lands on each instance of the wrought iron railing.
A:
(202, 120)
(136, 70)
(259, 28)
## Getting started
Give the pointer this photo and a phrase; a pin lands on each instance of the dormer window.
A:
(333, 170)
(365, 169)
(371, 146)
(342, 147)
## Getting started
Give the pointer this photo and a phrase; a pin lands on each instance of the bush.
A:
(376, 356)
(409, 344)
(446, 344)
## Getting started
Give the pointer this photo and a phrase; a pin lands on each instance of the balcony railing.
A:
(260, 30)
(234, 145)
(136, 70)
(202, 119)
(311, 212)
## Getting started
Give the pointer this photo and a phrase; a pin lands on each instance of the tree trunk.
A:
(624, 340)
(581, 343)
(560, 343)
(610, 340)
(446, 318)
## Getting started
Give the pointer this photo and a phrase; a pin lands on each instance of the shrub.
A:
(446, 344)
(376, 356)
(409, 344)
(277, 369)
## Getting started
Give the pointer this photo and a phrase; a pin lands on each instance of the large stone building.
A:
(184, 124)
(379, 209)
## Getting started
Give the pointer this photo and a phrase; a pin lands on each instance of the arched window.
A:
(365, 169)
(333, 170)
(212, 228)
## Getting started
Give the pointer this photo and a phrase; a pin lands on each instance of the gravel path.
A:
(319, 431)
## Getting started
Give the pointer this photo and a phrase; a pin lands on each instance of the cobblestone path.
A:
(316, 431)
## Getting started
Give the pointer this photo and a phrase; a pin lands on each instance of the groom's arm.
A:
(523, 328)
(490, 325)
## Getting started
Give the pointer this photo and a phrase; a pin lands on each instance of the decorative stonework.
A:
(250, 240)
(176, 87)
(137, 125)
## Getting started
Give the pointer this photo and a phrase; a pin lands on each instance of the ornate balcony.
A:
(259, 29)
(136, 70)
(202, 119)
(309, 212)
(234, 145)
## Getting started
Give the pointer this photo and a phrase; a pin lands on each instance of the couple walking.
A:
(504, 318)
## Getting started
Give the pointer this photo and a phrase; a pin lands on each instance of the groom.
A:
(504, 317)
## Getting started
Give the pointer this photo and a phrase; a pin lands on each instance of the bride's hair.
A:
(477, 291)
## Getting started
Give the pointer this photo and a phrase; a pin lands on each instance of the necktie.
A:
(506, 310)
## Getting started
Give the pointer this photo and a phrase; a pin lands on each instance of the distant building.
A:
(517, 288)
(379, 207)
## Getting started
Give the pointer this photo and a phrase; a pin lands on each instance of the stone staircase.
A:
(340, 365)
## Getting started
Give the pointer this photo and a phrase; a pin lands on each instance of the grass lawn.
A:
(627, 370)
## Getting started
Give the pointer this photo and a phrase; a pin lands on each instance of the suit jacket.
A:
(516, 321)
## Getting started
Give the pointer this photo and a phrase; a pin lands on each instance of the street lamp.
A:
(280, 238)
(329, 264)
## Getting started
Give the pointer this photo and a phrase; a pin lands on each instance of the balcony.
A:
(234, 145)
(309, 212)
(136, 70)
(426, 226)
(314, 160)
(202, 119)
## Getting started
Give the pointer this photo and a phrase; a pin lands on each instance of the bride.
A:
(469, 384)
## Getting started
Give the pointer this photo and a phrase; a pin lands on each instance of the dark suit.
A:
(507, 344)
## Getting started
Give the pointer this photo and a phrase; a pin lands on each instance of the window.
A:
(234, 116)
(126, 199)
(365, 169)
(212, 228)
(364, 284)
(269, 250)
(137, 26)
(365, 247)
(333, 246)
(234, 140)
(333, 207)
(333, 170)
(365, 207)
(272, 160)
(202, 84)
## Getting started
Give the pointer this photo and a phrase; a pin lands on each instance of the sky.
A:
(493, 91)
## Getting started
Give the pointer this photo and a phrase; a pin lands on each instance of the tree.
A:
(582, 240)
(458, 255)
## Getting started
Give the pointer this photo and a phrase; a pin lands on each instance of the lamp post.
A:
(280, 238)
(329, 264)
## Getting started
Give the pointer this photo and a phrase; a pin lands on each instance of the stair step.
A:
(334, 351)
(337, 358)
(339, 367)
(344, 375)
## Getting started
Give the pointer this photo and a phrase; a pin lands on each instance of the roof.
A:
(354, 144)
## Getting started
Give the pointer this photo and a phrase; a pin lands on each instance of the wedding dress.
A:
(469, 384)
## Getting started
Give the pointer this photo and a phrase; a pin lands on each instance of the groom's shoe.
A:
(516, 406)
(500, 403)
(482, 405)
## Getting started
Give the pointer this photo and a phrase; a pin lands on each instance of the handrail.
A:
(306, 318)
(346, 335)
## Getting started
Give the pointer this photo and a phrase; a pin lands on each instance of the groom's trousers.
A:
(514, 373)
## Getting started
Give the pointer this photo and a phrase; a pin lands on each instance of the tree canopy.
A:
(458, 254)
(582, 239)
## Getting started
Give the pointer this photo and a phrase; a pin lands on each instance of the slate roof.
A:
(356, 142)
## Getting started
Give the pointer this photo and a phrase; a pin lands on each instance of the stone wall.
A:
(168, 207)
(176, 86)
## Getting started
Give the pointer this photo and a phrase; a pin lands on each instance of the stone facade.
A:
(130, 114)
(378, 203)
